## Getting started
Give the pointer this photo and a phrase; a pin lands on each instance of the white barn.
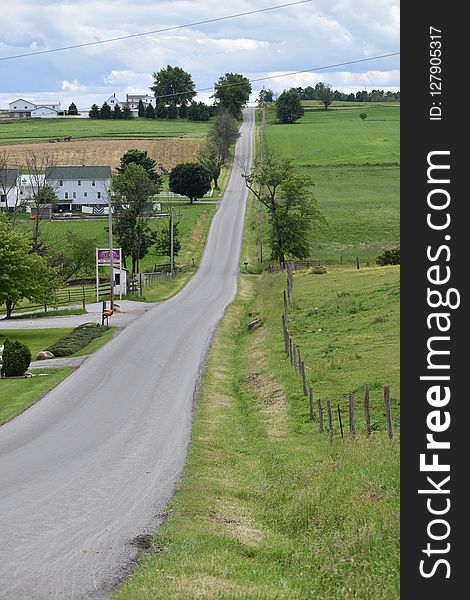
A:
(22, 109)
(45, 112)
(80, 186)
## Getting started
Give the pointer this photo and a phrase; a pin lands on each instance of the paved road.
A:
(90, 466)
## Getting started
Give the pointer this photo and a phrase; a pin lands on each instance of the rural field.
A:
(354, 165)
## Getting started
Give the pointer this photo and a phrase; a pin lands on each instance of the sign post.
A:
(103, 259)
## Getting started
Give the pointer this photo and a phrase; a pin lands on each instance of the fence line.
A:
(292, 350)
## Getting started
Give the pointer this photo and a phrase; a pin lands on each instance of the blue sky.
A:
(290, 39)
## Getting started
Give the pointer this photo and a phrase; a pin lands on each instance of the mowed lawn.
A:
(354, 165)
(30, 130)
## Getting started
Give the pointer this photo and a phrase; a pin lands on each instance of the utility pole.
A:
(172, 220)
(261, 191)
(111, 253)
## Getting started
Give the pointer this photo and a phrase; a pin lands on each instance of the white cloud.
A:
(70, 85)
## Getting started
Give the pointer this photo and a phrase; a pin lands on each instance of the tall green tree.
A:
(232, 92)
(141, 157)
(173, 85)
(127, 113)
(132, 202)
(224, 132)
(324, 93)
(292, 209)
(198, 111)
(72, 110)
(117, 112)
(172, 112)
(73, 257)
(23, 274)
(289, 107)
(265, 96)
(141, 109)
(163, 243)
(149, 112)
(209, 157)
(161, 111)
(105, 111)
(94, 113)
(190, 179)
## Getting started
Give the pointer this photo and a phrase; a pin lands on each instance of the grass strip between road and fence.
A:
(266, 507)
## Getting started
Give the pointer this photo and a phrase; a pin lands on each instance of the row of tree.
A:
(317, 93)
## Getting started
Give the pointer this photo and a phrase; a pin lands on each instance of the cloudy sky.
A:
(305, 36)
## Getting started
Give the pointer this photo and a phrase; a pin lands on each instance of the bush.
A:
(391, 256)
(363, 116)
(16, 358)
(77, 339)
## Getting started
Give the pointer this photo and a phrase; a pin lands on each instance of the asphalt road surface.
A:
(93, 464)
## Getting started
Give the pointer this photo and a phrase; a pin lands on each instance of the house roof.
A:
(22, 100)
(8, 177)
(45, 106)
(61, 173)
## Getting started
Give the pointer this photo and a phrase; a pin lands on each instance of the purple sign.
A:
(102, 257)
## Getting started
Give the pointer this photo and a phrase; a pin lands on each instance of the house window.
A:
(14, 107)
(66, 196)
(3, 198)
(61, 183)
(74, 195)
(85, 194)
(98, 195)
(93, 182)
(79, 182)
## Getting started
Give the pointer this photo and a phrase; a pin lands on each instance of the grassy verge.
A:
(16, 395)
(61, 312)
(266, 507)
(40, 339)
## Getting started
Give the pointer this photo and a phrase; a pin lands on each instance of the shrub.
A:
(77, 339)
(391, 256)
(16, 358)
(363, 116)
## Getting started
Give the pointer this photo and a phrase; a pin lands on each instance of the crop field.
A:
(354, 165)
(167, 152)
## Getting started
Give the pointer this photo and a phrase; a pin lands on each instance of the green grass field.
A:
(354, 166)
(37, 130)
(266, 507)
(16, 395)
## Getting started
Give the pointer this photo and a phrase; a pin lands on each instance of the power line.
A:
(163, 30)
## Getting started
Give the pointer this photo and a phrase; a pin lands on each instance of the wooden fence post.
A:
(366, 410)
(320, 415)
(389, 411)
(340, 422)
(357, 262)
(352, 426)
(291, 353)
(330, 420)
(304, 382)
(294, 351)
(310, 398)
(285, 302)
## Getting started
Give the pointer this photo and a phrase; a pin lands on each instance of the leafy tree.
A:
(94, 113)
(23, 273)
(324, 93)
(190, 179)
(132, 193)
(389, 256)
(363, 116)
(117, 112)
(183, 111)
(77, 261)
(161, 110)
(232, 92)
(127, 113)
(105, 111)
(209, 157)
(16, 358)
(73, 110)
(163, 243)
(224, 132)
(141, 109)
(173, 84)
(172, 111)
(308, 93)
(141, 157)
(289, 107)
(149, 112)
(198, 111)
(292, 209)
(265, 96)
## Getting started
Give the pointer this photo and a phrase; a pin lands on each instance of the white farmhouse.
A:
(132, 102)
(113, 101)
(9, 197)
(80, 186)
